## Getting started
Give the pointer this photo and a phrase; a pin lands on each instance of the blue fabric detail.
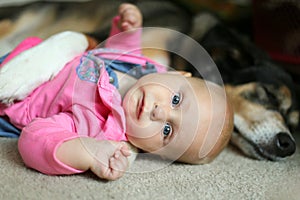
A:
(3, 58)
(122, 66)
(90, 65)
(135, 70)
(112, 75)
(8, 130)
(89, 68)
(132, 69)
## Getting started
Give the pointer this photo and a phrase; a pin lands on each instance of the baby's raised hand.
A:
(131, 17)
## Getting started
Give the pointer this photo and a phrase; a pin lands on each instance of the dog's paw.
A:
(25, 72)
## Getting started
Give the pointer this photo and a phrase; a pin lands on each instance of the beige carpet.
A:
(230, 176)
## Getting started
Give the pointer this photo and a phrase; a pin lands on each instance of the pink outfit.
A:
(72, 106)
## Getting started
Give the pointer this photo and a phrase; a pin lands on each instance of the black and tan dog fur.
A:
(262, 92)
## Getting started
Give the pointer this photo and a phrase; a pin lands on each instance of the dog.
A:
(262, 92)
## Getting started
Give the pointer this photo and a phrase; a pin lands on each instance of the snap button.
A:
(111, 79)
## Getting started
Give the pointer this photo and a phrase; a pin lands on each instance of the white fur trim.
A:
(21, 75)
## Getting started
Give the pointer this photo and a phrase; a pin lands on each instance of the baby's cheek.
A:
(147, 144)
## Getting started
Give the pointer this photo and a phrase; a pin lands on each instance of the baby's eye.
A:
(167, 130)
(176, 99)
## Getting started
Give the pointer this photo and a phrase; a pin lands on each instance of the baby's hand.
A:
(131, 17)
(110, 161)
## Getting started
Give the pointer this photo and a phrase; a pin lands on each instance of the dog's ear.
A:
(288, 106)
(293, 120)
(282, 89)
(92, 42)
(184, 73)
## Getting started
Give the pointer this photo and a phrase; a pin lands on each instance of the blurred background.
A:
(273, 25)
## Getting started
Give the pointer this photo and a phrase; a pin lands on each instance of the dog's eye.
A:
(264, 96)
(261, 93)
(271, 96)
(258, 95)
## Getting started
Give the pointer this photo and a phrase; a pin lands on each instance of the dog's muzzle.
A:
(282, 146)
(267, 139)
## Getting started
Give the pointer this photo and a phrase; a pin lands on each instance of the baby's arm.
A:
(51, 146)
(106, 159)
(128, 20)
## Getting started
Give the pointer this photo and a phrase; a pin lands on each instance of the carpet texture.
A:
(230, 176)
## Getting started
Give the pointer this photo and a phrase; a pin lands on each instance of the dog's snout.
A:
(285, 144)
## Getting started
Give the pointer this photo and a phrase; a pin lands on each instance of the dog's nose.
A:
(285, 144)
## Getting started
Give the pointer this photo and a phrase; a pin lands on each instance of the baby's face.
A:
(170, 115)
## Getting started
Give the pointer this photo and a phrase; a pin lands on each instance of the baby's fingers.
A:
(119, 161)
(125, 150)
(131, 17)
(117, 166)
(126, 6)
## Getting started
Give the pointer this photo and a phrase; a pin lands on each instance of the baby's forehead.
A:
(197, 89)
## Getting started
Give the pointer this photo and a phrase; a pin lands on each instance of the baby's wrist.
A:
(75, 154)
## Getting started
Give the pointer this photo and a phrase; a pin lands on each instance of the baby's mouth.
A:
(140, 107)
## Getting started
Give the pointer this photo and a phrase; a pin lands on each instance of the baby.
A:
(75, 121)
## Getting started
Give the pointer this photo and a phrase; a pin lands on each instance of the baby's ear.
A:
(184, 73)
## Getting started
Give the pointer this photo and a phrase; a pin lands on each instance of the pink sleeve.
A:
(127, 40)
(40, 139)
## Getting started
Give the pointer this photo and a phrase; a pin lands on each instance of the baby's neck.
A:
(125, 82)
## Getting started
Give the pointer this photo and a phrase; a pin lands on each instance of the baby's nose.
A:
(158, 113)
